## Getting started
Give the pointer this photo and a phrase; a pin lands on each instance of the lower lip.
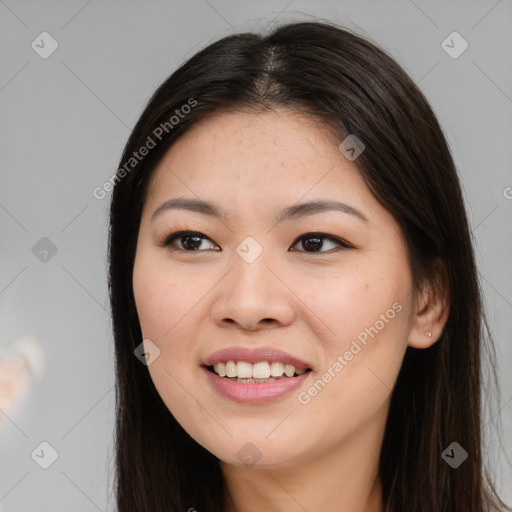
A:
(252, 392)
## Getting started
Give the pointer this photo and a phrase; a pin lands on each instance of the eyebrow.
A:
(286, 214)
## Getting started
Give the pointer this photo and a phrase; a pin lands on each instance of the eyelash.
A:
(169, 239)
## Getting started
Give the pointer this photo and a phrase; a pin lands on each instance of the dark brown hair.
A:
(322, 70)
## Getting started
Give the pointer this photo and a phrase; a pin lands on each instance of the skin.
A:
(314, 456)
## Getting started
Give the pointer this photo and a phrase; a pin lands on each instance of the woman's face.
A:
(245, 281)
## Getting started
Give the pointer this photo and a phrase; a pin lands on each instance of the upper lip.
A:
(254, 355)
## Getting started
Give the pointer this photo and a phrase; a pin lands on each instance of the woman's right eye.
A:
(190, 241)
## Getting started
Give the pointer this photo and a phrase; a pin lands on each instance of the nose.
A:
(253, 296)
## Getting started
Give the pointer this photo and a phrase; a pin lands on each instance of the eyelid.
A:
(325, 236)
(168, 239)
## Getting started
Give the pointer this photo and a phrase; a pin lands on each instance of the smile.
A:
(262, 371)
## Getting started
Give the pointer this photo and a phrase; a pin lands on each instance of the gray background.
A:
(64, 122)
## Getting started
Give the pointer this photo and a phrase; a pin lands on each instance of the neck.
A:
(342, 478)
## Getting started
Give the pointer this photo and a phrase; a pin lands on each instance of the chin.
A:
(255, 452)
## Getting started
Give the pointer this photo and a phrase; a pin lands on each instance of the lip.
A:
(256, 393)
(256, 355)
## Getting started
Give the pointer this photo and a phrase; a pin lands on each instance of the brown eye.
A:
(314, 242)
(190, 241)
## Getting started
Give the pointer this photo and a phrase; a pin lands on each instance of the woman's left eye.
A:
(316, 241)
(191, 241)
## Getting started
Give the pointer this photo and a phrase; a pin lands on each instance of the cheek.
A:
(348, 302)
(148, 299)
(367, 311)
(161, 300)
(166, 314)
(363, 356)
(169, 307)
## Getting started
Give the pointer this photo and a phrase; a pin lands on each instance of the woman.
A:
(297, 317)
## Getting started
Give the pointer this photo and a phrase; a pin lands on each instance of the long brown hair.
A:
(354, 87)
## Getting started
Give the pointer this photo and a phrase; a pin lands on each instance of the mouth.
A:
(255, 376)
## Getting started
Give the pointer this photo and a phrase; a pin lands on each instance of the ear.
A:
(432, 309)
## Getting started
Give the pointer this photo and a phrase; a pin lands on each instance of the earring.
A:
(429, 334)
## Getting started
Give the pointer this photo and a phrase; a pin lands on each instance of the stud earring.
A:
(429, 334)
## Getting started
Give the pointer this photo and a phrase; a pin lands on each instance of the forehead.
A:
(273, 153)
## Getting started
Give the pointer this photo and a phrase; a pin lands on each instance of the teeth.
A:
(276, 369)
(289, 370)
(261, 370)
(244, 370)
(220, 368)
(230, 369)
